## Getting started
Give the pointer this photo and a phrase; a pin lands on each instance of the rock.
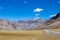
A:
(20, 25)
(53, 23)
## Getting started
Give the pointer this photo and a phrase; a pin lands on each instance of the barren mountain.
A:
(5, 24)
(20, 25)
(52, 23)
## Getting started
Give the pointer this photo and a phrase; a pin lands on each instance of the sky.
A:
(27, 9)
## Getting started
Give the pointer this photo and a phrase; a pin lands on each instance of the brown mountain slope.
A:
(53, 23)
(20, 25)
(5, 24)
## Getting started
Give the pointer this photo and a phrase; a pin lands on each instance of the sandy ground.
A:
(51, 34)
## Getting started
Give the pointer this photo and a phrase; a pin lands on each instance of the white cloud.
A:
(1, 7)
(52, 15)
(38, 10)
(37, 14)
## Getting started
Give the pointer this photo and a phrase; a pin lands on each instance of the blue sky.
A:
(24, 9)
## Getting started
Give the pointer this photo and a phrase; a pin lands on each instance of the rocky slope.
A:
(20, 25)
(52, 23)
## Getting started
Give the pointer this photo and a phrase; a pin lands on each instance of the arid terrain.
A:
(52, 23)
(52, 34)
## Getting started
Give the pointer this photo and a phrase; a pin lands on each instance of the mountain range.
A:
(52, 23)
(34, 24)
(19, 25)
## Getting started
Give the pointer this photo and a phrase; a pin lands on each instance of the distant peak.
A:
(56, 16)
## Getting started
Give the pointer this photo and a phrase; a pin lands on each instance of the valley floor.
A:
(47, 34)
